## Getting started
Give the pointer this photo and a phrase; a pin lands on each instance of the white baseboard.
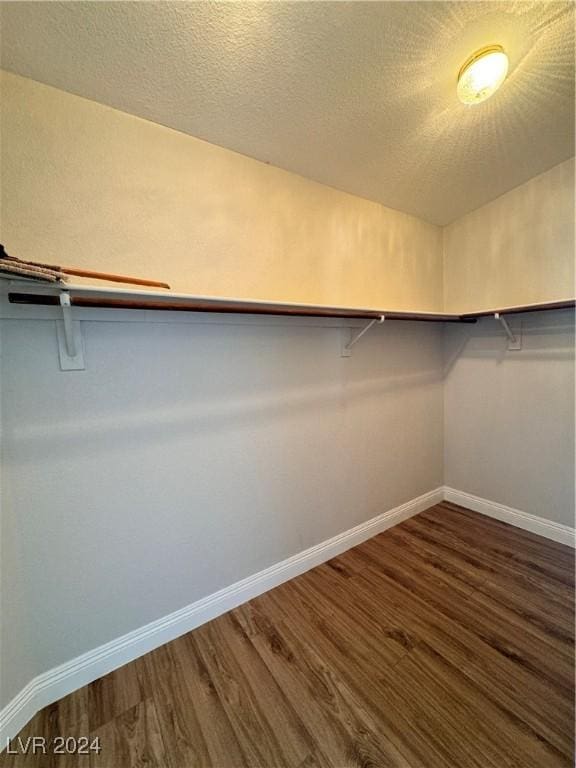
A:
(60, 681)
(539, 525)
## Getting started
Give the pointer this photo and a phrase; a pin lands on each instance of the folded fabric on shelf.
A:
(10, 265)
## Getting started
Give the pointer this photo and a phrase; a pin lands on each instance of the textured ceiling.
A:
(357, 95)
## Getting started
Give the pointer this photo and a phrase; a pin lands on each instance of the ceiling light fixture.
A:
(482, 74)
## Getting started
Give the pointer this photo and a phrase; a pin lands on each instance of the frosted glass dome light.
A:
(482, 74)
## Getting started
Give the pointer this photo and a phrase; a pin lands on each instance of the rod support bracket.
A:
(70, 346)
(514, 340)
(355, 337)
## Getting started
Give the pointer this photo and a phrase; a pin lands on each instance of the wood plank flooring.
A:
(445, 642)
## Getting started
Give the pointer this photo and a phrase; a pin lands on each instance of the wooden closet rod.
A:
(185, 303)
(229, 307)
(542, 307)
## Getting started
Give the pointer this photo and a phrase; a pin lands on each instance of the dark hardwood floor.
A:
(445, 642)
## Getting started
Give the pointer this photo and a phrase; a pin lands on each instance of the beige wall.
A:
(517, 249)
(96, 187)
(89, 185)
(93, 186)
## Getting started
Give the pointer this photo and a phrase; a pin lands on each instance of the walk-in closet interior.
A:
(287, 384)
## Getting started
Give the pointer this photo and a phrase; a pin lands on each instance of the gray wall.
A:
(509, 416)
(188, 456)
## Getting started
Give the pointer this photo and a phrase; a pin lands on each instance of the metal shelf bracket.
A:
(355, 337)
(70, 346)
(514, 341)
